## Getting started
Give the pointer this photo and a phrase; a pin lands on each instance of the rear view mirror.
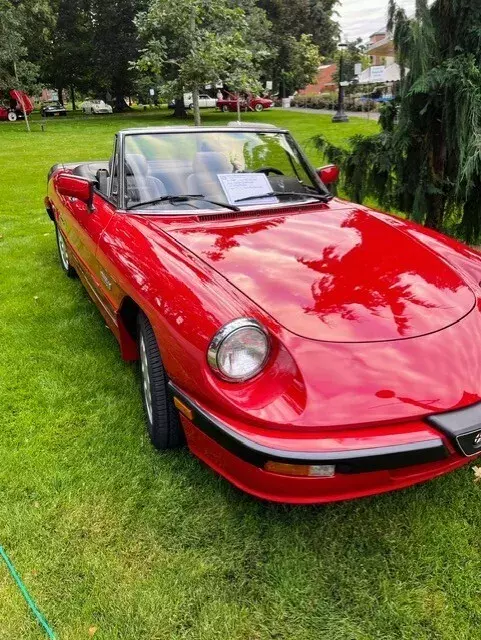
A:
(72, 186)
(328, 174)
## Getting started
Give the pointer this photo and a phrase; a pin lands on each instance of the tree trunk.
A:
(60, 95)
(179, 108)
(435, 216)
(238, 108)
(72, 94)
(195, 103)
(120, 104)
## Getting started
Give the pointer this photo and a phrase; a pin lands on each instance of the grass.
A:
(117, 540)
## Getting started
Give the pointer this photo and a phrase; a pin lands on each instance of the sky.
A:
(360, 18)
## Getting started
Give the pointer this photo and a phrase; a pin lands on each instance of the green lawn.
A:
(108, 533)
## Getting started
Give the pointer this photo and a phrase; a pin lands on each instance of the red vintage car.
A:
(252, 103)
(307, 348)
(17, 102)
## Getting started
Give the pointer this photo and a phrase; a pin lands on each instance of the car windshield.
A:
(241, 168)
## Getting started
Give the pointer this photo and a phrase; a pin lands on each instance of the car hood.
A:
(335, 274)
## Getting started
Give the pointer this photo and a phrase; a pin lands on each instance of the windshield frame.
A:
(121, 146)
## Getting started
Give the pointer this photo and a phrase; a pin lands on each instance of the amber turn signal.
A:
(302, 470)
(183, 408)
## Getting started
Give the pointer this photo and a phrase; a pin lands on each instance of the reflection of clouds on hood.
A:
(361, 18)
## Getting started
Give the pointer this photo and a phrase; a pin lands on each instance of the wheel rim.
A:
(63, 251)
(145, 379)
(259, 107)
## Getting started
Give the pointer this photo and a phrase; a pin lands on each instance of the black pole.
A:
(340, 115)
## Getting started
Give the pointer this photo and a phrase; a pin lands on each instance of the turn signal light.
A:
(302, 470)
(183, 408)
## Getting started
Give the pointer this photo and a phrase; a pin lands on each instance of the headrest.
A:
(211, 162)
(136, 165)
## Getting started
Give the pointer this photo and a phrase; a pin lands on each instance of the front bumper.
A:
(358, 472)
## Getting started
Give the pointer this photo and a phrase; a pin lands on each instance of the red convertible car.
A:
(252, 103)
(307, 348)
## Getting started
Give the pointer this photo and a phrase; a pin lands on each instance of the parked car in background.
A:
(14, 106)
(253, 103)
(96, 106)
(309, 349)
(53, 108)
(205, 101)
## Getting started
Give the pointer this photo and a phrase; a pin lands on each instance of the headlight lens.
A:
(239, 350)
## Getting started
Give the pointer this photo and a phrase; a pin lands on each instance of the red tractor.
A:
(18, 104)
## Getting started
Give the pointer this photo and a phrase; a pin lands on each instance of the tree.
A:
(16, 72)
(427, 159)
(301, 61)
(68, 63)
(291, 19)
(196, 42)
(115, 46)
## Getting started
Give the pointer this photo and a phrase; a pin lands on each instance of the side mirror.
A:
(76, 187)
(328, 174)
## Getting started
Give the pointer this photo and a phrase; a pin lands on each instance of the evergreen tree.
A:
(427, 159)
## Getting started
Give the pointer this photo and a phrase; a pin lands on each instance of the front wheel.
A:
(12, 116)
(163, 423)
(63, 254)
(259, 108)
(225, 108)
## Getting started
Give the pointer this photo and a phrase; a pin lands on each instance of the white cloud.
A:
(360, 18)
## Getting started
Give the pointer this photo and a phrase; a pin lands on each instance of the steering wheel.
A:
(268, 170)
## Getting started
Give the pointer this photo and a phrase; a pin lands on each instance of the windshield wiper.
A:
(183, 198)
(271, 194)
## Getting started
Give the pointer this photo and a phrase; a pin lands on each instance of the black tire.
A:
(259, 107)
(224, 108)
(163, 422)
(63, 255)
(191, 106)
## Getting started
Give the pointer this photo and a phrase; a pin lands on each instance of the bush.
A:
(316, 101)
(329, 101)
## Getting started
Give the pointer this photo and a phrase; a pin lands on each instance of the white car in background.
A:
(96, 106)
(205, 102)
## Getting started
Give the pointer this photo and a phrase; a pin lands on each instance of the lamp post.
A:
(340, 115)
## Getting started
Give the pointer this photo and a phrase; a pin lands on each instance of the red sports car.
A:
(252, 103)
(17, 102)
(307, 348)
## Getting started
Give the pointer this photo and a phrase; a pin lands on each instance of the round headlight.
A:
(239, 350)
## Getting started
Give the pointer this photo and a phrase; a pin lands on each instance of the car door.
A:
(83, 227)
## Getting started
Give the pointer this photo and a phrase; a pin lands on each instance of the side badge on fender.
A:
(106, 280)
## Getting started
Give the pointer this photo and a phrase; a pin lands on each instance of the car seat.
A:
(206, 166)
(140, 185)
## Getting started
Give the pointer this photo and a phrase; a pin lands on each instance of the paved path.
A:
(367, 115)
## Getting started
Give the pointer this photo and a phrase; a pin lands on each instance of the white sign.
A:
(377, 74)
(152, 92)
(358, 69)
(238, 186)
(269, 85)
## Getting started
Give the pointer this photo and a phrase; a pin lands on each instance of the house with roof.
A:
(324, 81)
